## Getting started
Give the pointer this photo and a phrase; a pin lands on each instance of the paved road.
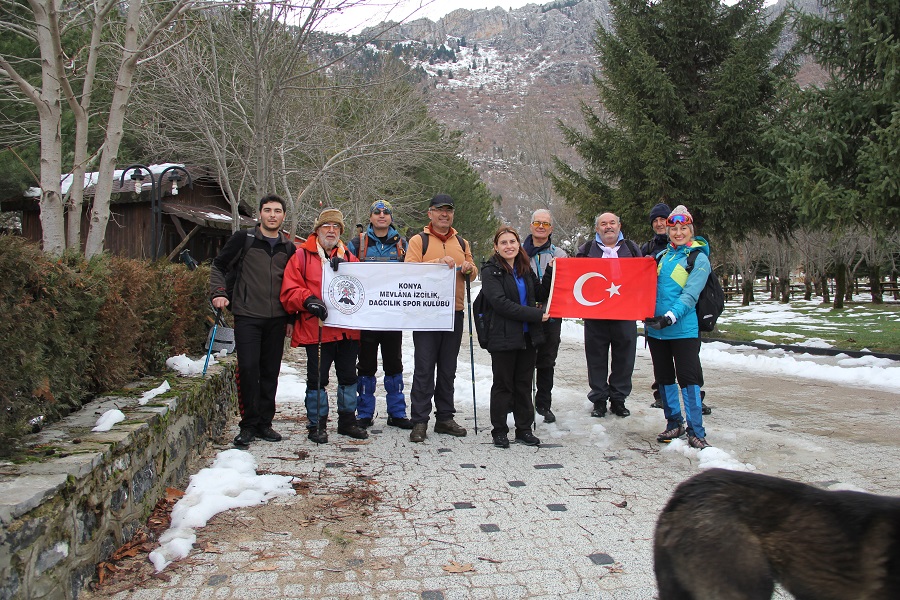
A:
(574, 518)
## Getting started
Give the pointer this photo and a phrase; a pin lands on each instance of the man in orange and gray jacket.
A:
(438, 243)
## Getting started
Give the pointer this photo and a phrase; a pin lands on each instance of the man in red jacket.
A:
(301, 294)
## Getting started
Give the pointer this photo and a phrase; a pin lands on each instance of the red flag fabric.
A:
(603, 288)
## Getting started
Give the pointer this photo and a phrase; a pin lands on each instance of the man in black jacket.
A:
(605, 337)
(257, 258)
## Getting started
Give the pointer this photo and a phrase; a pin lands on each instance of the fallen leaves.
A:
(455, 567)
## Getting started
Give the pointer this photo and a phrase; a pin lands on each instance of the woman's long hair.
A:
(522, 263)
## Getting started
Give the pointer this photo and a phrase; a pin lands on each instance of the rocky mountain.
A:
(505, 79)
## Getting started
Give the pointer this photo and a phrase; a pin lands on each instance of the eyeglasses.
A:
(379, 211)
(329, 226)
(678, 220)
(541, 224)
(442, 209)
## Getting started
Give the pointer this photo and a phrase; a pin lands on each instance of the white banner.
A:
(390, 296)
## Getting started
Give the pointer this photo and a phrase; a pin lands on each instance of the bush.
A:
(72, 328)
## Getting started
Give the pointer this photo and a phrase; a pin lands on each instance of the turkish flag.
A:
(603, 288)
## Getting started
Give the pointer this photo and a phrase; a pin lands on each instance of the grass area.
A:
(859, 326)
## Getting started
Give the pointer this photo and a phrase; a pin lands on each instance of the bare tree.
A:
(271, 117)
(747, 255)
(779, 253)
(68, 77)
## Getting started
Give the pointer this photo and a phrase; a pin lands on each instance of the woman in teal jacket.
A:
(673, 333)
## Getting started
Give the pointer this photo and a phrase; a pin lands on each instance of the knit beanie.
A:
(660, 210)
(330, 215)
(681, 210)
(382, 205)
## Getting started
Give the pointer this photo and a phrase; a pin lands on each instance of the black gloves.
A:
(657, 322)
(335, 261)
(316, 307)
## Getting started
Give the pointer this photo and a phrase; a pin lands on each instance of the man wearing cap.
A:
(608, 337)
(380, 243)
(256, 258)
(541, 251)
(301, 294)
(438, 243)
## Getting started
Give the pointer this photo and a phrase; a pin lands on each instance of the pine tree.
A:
(837, 144)
(839, 147)
(685, 89)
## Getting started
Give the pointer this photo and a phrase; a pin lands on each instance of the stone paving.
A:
(572, 518)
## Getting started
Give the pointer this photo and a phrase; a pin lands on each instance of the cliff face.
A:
(505, 79)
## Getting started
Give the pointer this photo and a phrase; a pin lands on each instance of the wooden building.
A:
(196, 217)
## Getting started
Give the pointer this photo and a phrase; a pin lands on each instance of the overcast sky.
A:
(376, 11)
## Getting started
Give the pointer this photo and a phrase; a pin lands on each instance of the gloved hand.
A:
(316, 307)
(657, 322)
(335, 261)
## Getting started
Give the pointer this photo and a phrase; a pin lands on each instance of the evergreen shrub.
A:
(72, 328)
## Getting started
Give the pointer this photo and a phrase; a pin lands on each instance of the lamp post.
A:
(156, 192)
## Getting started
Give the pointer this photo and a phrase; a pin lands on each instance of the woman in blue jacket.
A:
(673, 333)
(511, 289)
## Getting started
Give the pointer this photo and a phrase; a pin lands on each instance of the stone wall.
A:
(79, 494)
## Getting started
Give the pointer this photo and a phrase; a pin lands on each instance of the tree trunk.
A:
(784, 289)
(875, 285)
(808, 287)
(748, 292)
(840, 285)
(825, 294)
(848, 284)
(114, 130)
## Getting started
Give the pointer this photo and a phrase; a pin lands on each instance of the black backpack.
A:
(711, 301)
(481, 313)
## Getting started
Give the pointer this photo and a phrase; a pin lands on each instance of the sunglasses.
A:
(678, 220)
(541, 224)
(329, 226)
(379, 211)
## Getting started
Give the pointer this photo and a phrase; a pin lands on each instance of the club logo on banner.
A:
(390, 296)
(347, 294)
(603, 288)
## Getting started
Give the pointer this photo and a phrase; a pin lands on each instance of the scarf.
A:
(609, 251)
(440, 236)
(531, 249)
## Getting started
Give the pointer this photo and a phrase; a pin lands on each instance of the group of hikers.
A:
(274, 289)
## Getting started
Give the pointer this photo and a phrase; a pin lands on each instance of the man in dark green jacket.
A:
(256, 259)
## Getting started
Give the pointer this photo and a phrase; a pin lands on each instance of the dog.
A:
(728, 535)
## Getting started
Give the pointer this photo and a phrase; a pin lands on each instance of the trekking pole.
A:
(320, 426)
(471, 349)
(212, 339)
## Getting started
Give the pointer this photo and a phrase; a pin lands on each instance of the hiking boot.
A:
(243, 439)
(268, 434)
(617, 407)
(400, 422)
(347, 426)
(671, 434)
(450, 427)
(317, 436)
(657, 403)
(548, 415)
(419, 432)
(527, 438)
(599, 409)
(364, 423)
(705, 409)
(697, 442)
(501, 440)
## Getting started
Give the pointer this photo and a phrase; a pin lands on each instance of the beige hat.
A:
(330, 215)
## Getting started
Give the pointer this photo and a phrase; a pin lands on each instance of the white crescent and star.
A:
(578, 292)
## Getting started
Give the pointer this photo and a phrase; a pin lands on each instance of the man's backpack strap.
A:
(363, 246)
(424, 236)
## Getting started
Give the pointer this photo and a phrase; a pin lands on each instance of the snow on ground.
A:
(108, 419)
(232, 481)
